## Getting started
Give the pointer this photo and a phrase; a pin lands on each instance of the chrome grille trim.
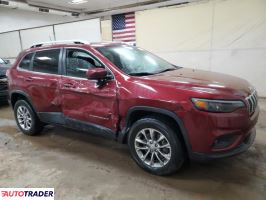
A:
(252, 102)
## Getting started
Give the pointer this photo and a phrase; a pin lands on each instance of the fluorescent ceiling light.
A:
(78, 1)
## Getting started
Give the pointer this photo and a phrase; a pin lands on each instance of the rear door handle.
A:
(69, 85)
(28, 79)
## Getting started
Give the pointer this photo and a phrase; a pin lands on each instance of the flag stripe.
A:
(128, 40)
(130, 18)
(124, 36)
(130, 21)
(128, 31)
(131, 13)
(125, 33)
(131, 27)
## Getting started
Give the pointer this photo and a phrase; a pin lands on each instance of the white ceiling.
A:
(91, 5)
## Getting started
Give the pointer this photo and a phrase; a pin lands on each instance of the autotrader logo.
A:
(26, 193)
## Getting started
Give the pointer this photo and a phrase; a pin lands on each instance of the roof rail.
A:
(59, 42)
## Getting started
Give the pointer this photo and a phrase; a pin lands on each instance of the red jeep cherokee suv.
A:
(166, 114)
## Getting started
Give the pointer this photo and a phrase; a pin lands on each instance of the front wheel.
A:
(155, 147)
(27, 120)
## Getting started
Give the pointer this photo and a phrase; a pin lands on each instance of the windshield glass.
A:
(135, 61)
(2, 61)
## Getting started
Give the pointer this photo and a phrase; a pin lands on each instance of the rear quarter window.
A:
(26, 61)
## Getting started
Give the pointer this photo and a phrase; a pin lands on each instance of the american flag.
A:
(124, 27)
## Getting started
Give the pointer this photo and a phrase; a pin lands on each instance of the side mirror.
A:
(96, 73)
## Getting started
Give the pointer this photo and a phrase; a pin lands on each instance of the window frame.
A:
(60, 63)
(64, 63)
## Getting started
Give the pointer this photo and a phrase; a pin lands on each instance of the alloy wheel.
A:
(152, 147)
(24, 118)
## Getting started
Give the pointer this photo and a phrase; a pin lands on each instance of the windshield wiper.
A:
(140, 74)
(166, 70)
(148, 73)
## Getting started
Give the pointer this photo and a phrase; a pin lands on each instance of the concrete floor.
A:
(81, 166)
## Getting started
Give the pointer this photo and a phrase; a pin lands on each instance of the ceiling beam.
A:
(130, 7)
(119, 10)
(52, 6)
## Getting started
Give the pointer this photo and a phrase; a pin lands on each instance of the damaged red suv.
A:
(165, 113)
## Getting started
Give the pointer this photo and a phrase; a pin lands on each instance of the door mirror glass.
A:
(96, 73)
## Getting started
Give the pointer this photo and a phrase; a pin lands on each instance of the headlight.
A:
(217, 105)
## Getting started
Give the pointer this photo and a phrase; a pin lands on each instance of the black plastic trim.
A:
(123, 134)
(23, 94)
(93, 129)
(52, 117)
(58, 118)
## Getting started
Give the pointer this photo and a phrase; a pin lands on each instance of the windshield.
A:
(135, 61)
(2, 61)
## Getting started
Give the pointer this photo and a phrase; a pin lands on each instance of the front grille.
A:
(252, 101)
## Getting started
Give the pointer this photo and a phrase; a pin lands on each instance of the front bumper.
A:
(244, 146)
(217, 133)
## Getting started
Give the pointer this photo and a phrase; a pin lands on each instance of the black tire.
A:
(36, 125)
(177, 156)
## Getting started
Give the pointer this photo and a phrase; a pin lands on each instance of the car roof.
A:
(45, 46)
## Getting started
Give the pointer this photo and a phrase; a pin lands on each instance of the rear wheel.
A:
(27, 120)
(155, 147)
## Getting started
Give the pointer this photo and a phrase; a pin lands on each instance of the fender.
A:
(123, 134)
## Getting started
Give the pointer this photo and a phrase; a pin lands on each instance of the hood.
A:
(211, 82)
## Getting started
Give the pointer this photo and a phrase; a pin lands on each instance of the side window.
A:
(78, 62)
(25, 63)
(46, 61)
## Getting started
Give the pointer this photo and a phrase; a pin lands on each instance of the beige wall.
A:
(227, 36)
